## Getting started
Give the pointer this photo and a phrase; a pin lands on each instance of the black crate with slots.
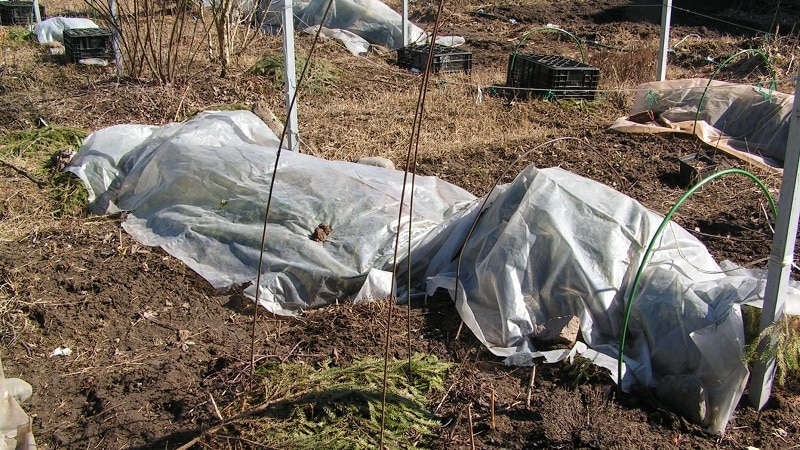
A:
(549, 75)
(18, 13)
(445, 59)
(83, 43)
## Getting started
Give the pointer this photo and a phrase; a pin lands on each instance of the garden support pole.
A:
(36, 13)
(289, 76)
(781, 257)
(112, 7)
(663, 45)
(405, 23)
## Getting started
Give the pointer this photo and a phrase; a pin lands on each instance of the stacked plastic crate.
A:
(445, 59)
(15, 13)
(84, 43)
(551, 76)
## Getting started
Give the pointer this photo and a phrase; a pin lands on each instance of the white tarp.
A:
(750, 122)
(52, 30)
(372, 20)
(16, 427)
(547, 245)
(199, 190)
(554, 244)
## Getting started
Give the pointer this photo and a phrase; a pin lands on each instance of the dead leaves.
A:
(321, 233)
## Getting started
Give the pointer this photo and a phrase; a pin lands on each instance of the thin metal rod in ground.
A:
(413, 144)
(492, 410)
(269, 197)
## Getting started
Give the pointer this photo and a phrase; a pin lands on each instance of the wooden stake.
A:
(530, 387)
(471, 433)
(458, 333)
(492, 411)
(456, 424)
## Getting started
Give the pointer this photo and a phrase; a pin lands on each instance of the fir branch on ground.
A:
(779, 341)
(340, 407)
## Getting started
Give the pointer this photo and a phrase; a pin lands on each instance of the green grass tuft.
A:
(18, 34)
(50, 148)
(69, 195)
(340, 407)
(41, 142)
(319, 78)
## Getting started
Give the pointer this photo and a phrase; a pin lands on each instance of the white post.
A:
(36, 13)
(780, 259)
(112, 6)
(406, 37)
(663, 45)
(289, 75)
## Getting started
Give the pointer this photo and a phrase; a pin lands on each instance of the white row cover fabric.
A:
(372, 20)
(52, 30)
(554, 244)
(16, 426)
(550, 244)
(751, 122)
(199, 190)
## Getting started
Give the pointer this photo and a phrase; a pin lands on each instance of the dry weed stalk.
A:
(155, 40)
(236, 27)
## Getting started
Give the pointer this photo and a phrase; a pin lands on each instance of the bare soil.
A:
(156, 351)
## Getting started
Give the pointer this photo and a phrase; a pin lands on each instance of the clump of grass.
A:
(48, 150)
(779, 341)
(340, 407)
(18, 34)
(10, 314)
(69, 195)
(320, 75)
(582, 371)
(39, 142)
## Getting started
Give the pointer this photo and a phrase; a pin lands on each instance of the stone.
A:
(263, 112)
(558, 331)
(376, 161)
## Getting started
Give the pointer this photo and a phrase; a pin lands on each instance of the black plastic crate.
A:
(445, 59)
(552, 75)
(18, 13)
(82, 43)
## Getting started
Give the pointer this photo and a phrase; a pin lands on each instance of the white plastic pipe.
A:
(292, 133)
(663, 44)
(781, 257)
(406, 36)
(36, 12)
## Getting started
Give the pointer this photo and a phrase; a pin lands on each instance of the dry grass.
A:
(12, 319)
(67, 6)
(455, 118)
(368, 113)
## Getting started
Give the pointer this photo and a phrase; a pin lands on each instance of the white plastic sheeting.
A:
(52, 30)
(199, 190)
(547, 245)
(751, 122)
(372, 20)
(554, 244)
(354, 43)
(16, 429)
